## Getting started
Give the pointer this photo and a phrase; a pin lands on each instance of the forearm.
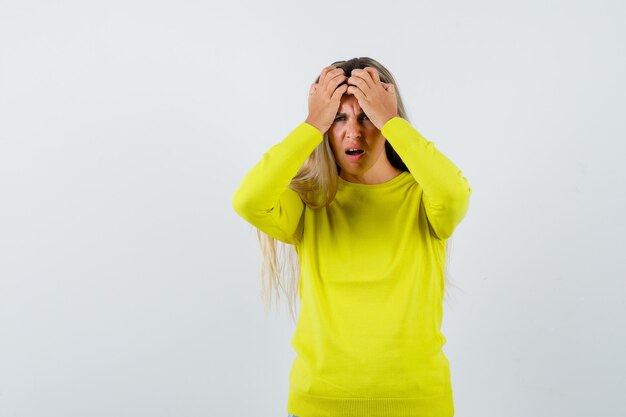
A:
(261, 188)
(446, 192)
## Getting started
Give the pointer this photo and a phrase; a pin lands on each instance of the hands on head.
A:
(377, 99)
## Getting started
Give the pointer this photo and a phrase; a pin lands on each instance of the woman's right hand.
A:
(324, 98)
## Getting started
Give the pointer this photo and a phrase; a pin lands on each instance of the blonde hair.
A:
(316, 183)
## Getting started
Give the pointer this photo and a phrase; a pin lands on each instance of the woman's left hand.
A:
(377, 99)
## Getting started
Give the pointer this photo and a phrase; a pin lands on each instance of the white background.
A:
(128, 285)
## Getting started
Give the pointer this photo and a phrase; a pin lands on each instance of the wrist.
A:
(314, 123)
(388, 119)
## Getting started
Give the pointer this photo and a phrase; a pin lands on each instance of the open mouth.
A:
(354, 151)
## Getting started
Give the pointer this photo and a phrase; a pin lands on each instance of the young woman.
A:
(368, 204)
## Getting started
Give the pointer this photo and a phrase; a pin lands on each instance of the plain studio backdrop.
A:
(129, 286)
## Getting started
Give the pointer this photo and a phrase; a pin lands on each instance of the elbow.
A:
(462, 198)
(459, 197)
(240, 204)
(460, 203)
(444, 226)
(248, 206)
(458, 209)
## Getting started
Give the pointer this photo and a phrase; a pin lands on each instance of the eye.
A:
(364, 117)
(339, 118)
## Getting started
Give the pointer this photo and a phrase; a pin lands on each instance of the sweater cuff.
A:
(393, 125)
(403, 136)
(301, 141)
(312, 128)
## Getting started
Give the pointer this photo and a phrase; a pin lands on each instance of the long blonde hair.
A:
(316, 183)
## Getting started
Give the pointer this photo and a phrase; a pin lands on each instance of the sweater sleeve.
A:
(446, 192)
(263, 197)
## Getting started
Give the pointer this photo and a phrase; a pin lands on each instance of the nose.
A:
(353, 128)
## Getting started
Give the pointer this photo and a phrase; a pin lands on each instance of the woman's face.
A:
(352, 129)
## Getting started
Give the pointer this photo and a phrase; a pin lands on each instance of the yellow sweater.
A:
(368, 337)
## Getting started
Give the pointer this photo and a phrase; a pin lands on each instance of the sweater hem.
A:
(304, 405)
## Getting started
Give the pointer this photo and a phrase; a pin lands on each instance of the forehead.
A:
(349, 103)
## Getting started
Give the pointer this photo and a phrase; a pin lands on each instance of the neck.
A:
(370, 177)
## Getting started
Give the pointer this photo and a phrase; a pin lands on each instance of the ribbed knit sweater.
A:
(368, 339)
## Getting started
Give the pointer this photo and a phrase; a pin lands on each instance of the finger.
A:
(387, 86)
(360, 96)
(324, 73)
(364, 75)
(332, 74)
(358, 82)
(334, 82)
(336, 97)
(373, 72)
